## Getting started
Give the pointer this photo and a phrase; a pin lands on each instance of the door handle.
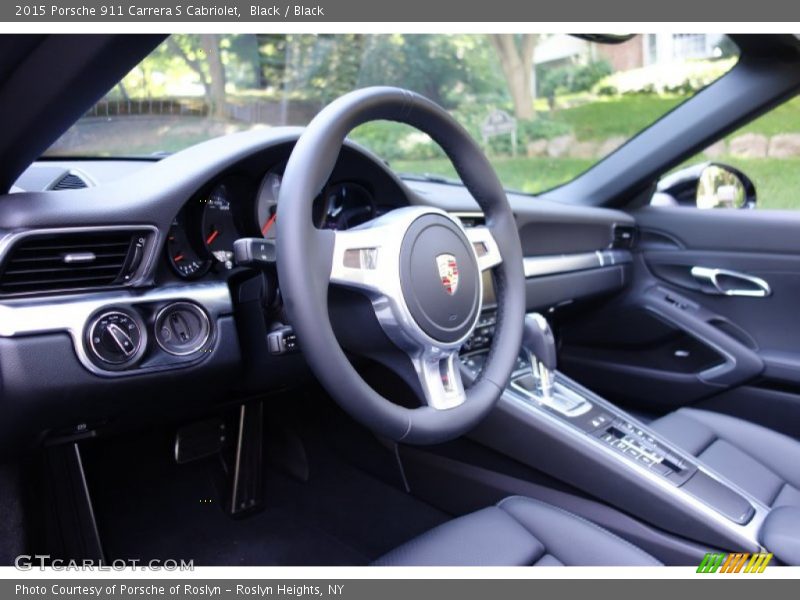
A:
(731, 283)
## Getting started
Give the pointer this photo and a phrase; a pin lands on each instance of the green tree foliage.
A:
(572, 78)
(446, 69)
(451, 70)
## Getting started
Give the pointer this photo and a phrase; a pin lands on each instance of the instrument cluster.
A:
(202, 235)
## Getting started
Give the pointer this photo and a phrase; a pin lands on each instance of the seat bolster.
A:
(571, 539)
(517, 532)
(778, 452)
(689, 434)
(488, 537)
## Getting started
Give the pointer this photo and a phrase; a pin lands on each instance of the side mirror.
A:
(704, 186)
(721, 186)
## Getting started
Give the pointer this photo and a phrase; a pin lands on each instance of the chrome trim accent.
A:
(434, 361)
(9, 238)
(539, 266)
(71, 313)
(481, 235)
(745, 535)
(130, 357)
(711, 277)
(79, 257)
(466, 214)
(560, 399)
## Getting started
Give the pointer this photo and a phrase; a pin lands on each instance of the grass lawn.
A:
(523, 174)
(777, 181)
(627, 115)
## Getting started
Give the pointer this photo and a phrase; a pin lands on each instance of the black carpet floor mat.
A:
(148, 507)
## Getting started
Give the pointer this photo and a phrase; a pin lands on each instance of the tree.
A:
(216, 72)
(432, 65)
(206, 62)
(515, 53)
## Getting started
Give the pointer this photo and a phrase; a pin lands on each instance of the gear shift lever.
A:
(540, 345)
(540, 387)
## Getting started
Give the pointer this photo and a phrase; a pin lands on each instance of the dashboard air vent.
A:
(70, 181)
(623, 236)
(56, 262)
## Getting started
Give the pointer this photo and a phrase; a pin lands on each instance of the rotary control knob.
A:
(115, 339)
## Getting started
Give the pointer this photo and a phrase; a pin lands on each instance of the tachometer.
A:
(267, 204)
(182, 256)
(346, 205)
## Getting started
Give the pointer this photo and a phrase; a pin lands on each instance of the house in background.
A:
(641, 51)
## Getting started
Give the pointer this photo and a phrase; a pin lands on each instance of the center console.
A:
(552, 423)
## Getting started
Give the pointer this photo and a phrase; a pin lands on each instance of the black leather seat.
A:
(518, 532)
(759, 460)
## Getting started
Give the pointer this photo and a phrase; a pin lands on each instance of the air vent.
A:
(67, 261)
(470, 219)
(623, 236)
(70, 181)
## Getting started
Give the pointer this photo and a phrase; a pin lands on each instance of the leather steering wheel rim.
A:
(305, 256)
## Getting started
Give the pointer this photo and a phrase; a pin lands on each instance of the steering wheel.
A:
(420, 269)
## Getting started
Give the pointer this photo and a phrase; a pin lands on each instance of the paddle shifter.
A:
(540, 345)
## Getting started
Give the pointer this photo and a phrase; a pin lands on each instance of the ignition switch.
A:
(182, 328)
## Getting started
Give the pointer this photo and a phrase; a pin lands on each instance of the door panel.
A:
(674, 339)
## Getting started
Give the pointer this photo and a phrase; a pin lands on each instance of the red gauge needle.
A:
(268, 224)
(178, 258)
(212, 237)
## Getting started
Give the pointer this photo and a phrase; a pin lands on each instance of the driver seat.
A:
(518, 531)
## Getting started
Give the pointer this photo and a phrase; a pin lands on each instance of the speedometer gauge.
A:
(218, 224)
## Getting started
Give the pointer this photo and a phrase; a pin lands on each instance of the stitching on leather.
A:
(594, 526)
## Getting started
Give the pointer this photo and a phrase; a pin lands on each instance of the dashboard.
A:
(141, 310)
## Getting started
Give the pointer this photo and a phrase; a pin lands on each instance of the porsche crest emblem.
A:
(448, 272)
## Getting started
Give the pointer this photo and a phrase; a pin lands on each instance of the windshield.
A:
(544, 107)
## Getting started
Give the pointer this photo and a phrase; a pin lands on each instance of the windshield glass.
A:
(544, 107)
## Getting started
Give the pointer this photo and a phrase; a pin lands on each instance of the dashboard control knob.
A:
(115, 338)
(182, 328)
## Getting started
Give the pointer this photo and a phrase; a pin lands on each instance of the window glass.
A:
(545, 107)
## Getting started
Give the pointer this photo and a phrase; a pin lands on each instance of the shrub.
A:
(681, 78)
(572, 78)
(394, 141)
(606, 90)
(542, 128)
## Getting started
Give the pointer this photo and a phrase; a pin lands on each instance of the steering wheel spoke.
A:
(440, 379)
(361, 258)
(485, 246)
